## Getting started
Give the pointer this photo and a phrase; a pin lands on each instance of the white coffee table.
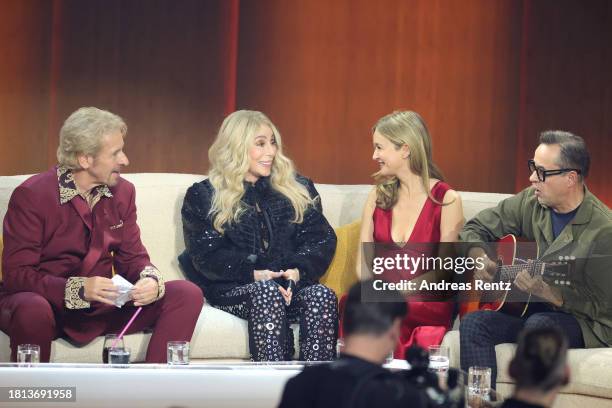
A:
(154, 385)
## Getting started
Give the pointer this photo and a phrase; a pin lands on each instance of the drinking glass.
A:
(479, 384)
(390, 357)
(178, 352)
(119, 355)
(339, 347)
(109, 340)
(438, 359)
(28, 353)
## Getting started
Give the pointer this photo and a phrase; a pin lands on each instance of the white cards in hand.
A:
(124, 288)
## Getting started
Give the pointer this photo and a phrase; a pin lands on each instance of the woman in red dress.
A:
(411, 204)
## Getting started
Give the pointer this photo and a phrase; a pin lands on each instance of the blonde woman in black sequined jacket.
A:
(257, 242)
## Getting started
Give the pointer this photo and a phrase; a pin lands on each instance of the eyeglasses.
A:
(541, 173)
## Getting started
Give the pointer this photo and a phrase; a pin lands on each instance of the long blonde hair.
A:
(229, 160)
(405, 128)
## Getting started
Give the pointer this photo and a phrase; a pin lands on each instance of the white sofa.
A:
(220, 335)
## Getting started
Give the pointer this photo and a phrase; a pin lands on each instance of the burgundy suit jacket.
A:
(46, 242)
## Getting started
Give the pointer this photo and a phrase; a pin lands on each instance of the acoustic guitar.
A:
(504, 295)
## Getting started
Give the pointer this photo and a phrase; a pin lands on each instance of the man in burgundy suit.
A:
(65, 230)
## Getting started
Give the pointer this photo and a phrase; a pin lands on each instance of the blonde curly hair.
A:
(405, 128)
(229, 159)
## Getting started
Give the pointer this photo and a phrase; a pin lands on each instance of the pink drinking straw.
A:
(127, 326)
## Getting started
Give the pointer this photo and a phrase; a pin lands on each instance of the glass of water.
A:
(339, 347)
(479, 384)
(390, 357)
(438, 359)
(178, 353)
(110, 341)
(118, 355)
(28, 353)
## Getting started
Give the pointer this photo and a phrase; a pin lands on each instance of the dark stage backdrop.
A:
(487, 76)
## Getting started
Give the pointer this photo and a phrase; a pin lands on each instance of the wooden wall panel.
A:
(326, 71)
(24, 85)
(487, 76)
(569, 81)
(155, 63)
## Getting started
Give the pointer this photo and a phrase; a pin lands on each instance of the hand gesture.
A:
(100, 289)
(487, 272)
(265, 274)
(287, 294)
(293, 274)
(144, 291)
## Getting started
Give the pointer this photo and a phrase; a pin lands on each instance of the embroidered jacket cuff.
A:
(152, 272)
(73, 295)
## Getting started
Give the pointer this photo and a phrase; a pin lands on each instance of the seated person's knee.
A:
(33, 312)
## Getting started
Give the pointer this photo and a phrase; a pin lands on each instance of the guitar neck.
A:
(557, 272)
(509, 272)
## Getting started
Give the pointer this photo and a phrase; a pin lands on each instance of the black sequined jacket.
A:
(219, 262)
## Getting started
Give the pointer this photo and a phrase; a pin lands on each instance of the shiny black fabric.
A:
(261, 304)
(220, 262)
(350, 382)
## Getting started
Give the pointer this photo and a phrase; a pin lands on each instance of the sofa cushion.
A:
(218, 335)
(159, 198)
(343, 204)
(341, 272)
(473, 203)
(62, 351)
(7, 185)
(589, 368)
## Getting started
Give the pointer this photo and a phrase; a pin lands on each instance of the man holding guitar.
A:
(566, 221)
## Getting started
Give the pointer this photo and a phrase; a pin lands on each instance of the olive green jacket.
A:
(588, 237)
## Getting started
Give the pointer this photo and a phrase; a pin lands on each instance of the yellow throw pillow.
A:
(341, 272)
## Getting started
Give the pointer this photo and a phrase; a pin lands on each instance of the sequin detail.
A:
(268, 239)
(270, 337)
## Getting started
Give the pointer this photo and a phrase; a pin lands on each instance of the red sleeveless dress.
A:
(427, 321)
